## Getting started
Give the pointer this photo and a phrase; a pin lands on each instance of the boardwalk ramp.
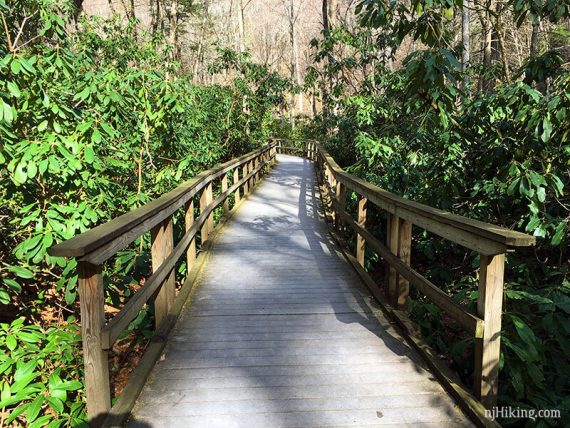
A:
(280, 332)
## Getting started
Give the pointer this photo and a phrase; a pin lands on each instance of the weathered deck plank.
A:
(280, 332)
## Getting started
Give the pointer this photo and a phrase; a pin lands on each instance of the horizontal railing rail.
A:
(490, 241)
(94, 247)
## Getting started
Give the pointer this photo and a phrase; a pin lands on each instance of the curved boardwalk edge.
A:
(281, 332)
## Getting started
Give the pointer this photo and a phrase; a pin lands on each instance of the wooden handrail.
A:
(492, 242)
(158, 210)
(97, 245)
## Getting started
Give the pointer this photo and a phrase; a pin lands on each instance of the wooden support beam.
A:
(188, 223)
(251, 180)
(392, 242)
(360, 241)
(472, 324)
(95, 359)
(224, 188)
(236, 193)
(488, 348)
(162, 238)
(404, 253)
(341, 203)
(257, 174)
(205, 201)
(332, 194)
(245, 185)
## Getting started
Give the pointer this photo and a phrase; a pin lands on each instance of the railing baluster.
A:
(392, 241)
(245, 184)
(341, 200)
(360, 241)
(95, 359)
(205, 201)
(252, 179)
(488, 348)
(236, 193)
(404, 253)
(162, 237)
(224, 188)
(189, 222)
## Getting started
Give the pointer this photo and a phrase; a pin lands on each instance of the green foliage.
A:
(92, 124)
(502, 157)
(100, 124)
(41, 375)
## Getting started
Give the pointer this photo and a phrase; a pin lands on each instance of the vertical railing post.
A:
(255, 165)
(95, 359)
(360, 241)
(236, 193)
(188, 223)
(392, 242)
(162, 242)
(488, 348)
(224, 189)
(245, 184)
(341, 203)
(334, 201)
(205, 201)
(404, 253)
(252, 179)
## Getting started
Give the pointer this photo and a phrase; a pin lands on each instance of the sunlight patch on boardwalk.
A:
(280, 332)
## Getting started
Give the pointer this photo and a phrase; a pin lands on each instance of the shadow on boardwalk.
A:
(278, 333)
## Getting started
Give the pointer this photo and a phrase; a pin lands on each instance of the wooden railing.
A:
(96, 246)
(491, 242)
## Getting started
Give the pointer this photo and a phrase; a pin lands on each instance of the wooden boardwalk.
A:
(280, 332)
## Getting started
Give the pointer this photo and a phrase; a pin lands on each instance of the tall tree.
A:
(326, 32)
(534, 37)
(465, 39)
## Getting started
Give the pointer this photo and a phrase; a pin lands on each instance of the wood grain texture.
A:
(188, 223)
(340, 195)
(488, 348)
(404, 253)
(205, 201)
(245, 187)
(237, 192)
(360, 241)
(471, 233)
(279, 331)
(224, 188)
(92, 301)
(471, 323)
(162, 242)
(392, 242)
(163, 270)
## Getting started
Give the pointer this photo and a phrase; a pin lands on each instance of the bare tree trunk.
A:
(518, 48)
(333, 12)
(155, 16)
(502, 49)
(298, 76)
(465, 40)
(485, 84)
(326, 32)
(173, 30)
(291, 16)
(534, 38)
(313, 106)
(201, 36)
(241, 26)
